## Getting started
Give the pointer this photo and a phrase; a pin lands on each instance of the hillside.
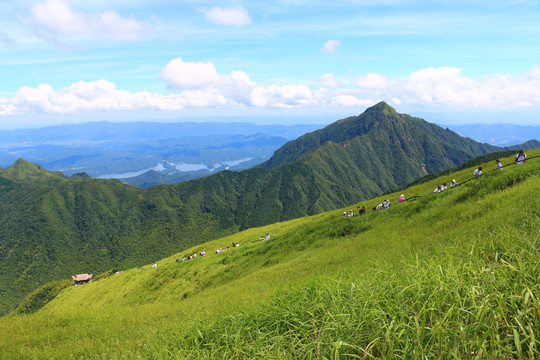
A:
(53, 226)
(451, 274)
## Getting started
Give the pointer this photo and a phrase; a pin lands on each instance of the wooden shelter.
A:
(82, 279)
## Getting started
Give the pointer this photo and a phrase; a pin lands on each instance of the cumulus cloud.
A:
(231, 16)
(56, 18)
(350, 100)
(331, 47)
(371, 81)
(200, 85)
(189, 75)
(330, 81)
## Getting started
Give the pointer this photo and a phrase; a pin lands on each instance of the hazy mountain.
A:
(498, 134)
(105, 149)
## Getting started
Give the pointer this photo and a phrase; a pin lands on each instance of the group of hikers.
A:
(266, 237)
(192, 256)
(227, 248)
(519, 159)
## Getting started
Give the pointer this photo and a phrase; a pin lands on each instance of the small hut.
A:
(82, 279)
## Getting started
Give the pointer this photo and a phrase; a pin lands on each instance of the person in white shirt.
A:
(478, 172)
(521, 158)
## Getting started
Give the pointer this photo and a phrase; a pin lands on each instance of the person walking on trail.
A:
(453, 183)
(478, 172)
(521, 158)
(499, 165)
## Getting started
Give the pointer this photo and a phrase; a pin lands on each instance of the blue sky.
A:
(288, 61)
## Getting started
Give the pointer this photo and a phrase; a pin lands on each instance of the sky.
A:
(67, 61)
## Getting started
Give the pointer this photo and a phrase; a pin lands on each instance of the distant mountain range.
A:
(499, 134)
(52, 226)
(122, 150)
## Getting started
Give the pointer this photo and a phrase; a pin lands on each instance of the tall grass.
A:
(450, 276)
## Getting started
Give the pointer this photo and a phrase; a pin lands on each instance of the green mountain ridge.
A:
(445, 276)
(386, 131)
(52, 226)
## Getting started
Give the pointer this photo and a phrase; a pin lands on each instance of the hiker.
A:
(478, 172)
(359, 210)
(401, 198)
(344, 214)
(499, 165)
(437, 190)
(154, 266)
(351, 213)
(380, 206)
(443, 187)
(362, 210)
(521, 158)
(386, 204)
(267, 236)
(453, 183)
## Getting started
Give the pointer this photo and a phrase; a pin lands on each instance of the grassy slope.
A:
(445, 276)
(52, 226)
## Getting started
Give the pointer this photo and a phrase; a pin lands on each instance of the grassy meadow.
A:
(454, 275)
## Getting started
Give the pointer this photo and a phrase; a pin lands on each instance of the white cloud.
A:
(56, 18)
(330, 81)
(189, 75)
(200, 85)
(350, 100)
(371, 81)
(6, 108)
(331, 47)
(231, 16)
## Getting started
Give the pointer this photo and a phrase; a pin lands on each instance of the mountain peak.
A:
(23, 170)
(382, 107)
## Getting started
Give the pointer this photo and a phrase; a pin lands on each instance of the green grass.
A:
(451, 276)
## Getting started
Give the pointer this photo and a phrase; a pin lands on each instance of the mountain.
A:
(24, 171)
(454, 273)
(531, 144)
(499, 134)
(52, 226)
(392, 149)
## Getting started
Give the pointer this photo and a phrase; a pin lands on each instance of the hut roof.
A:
(82, 277)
